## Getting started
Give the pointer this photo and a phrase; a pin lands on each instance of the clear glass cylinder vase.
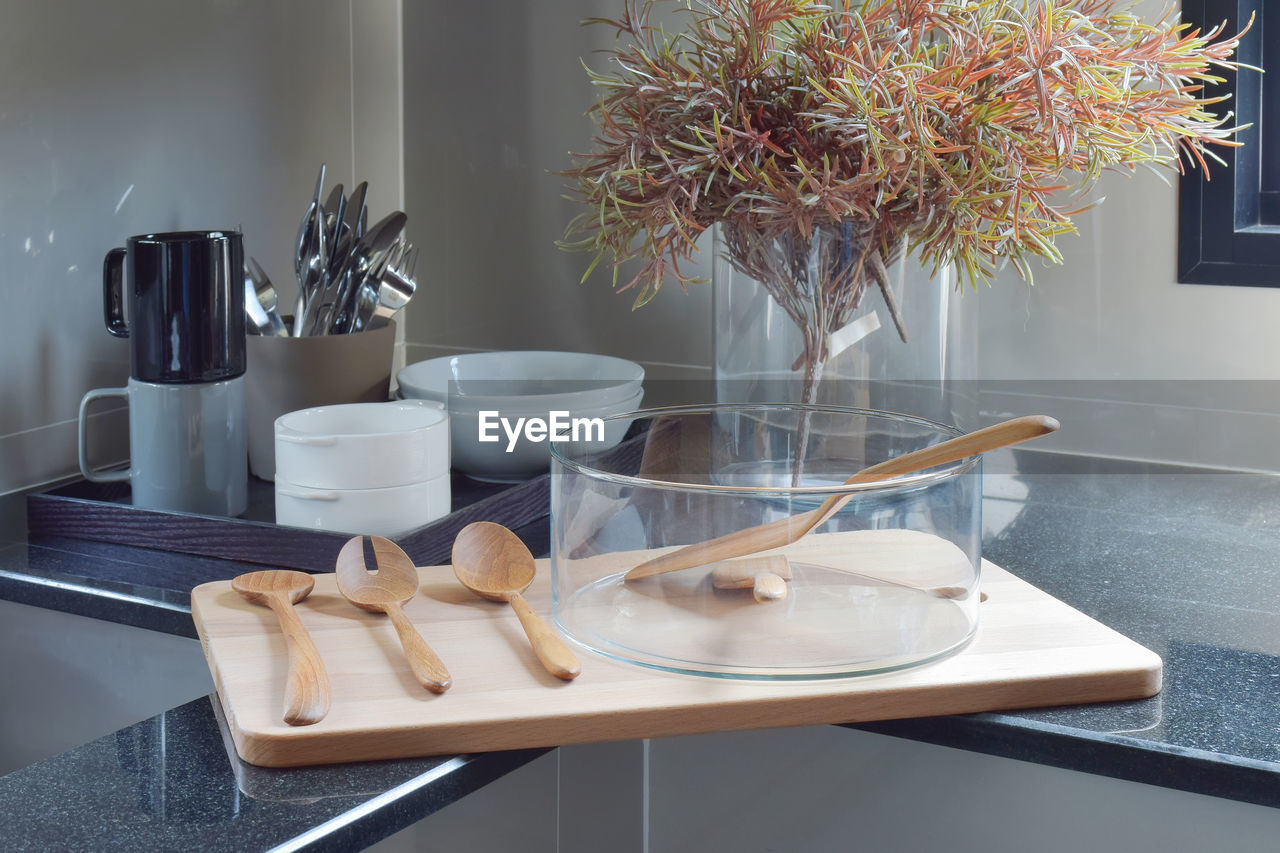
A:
(835, 318)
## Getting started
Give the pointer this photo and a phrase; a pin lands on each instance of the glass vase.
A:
(833, 318)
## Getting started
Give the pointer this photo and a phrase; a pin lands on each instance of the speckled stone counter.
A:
(1185, 561)
(168, 783)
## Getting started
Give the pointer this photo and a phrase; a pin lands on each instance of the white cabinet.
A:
(824, 789)
(70, 679)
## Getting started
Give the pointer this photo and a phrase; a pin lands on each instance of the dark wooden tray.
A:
(102, 512)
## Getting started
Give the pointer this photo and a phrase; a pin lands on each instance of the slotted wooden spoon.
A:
(394, 583)
(784, 531)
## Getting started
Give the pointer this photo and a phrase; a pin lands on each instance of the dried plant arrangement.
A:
(951, 131)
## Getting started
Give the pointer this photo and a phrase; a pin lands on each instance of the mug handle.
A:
(113, 296)
(92, 474)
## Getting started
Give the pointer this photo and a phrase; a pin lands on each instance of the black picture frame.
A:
(1229, 226)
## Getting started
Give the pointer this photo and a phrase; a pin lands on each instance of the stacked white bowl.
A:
(363, 468)
(516, 385)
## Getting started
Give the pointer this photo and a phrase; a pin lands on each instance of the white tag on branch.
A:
(842, 339)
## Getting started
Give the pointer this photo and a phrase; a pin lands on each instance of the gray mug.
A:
(188, 449)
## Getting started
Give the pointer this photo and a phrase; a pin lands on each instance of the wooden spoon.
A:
(394, 583)
(492, 562)
(766, 576)
(306, 693)
(784, 531)
(763, 574)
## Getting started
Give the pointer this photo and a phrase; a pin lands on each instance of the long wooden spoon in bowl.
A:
(306, 693)
(394, 583)
(492, 562)
(784, 531)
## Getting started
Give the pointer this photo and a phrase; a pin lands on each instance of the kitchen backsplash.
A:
(1136, 364)
(480, 154)
(144, 115)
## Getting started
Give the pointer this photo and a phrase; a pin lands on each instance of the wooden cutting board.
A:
(1031, 650)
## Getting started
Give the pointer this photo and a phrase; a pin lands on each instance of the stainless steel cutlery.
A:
(351, 276)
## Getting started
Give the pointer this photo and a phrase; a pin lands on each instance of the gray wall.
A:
(1200, 360)
(147, 115)
(482, 201)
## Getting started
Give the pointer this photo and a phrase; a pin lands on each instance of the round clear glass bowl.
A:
(891, 581)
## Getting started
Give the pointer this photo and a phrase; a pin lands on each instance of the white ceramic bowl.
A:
(491, 461)
(363, 445)
(382, 512)
(523, 381)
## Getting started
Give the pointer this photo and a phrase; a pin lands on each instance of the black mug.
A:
(186, 305)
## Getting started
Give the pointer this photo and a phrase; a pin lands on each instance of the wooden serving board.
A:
(1031, 650)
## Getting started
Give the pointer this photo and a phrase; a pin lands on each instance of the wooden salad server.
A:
(394, 583)
(306, 693)
(785, 531)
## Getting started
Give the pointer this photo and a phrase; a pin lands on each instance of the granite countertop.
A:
(1181, 560)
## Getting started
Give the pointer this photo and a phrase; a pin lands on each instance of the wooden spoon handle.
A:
(547, 645)
(306, 693)
(425, 663)
(979, 441)
(740, 543)
(784, 531)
